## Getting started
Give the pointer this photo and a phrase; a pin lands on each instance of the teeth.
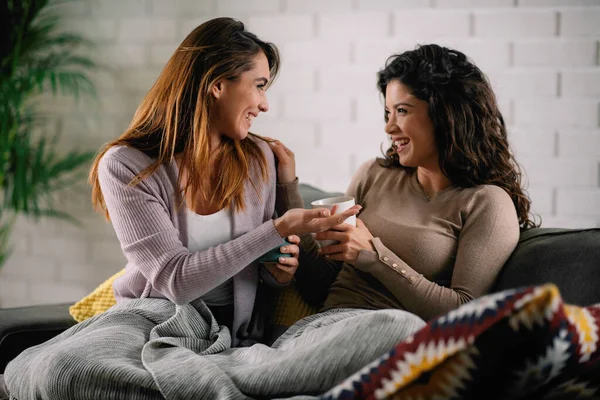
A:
(401, 142)
(249, 117)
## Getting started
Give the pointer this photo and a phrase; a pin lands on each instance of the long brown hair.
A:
(470, 132)
(173, 118)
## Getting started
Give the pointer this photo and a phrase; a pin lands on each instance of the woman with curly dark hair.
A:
(441, 212)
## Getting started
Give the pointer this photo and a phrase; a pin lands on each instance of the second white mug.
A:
(343, 203)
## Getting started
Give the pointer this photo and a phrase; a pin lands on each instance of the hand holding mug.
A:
(337, 205)
(284, 269)
(349, 241)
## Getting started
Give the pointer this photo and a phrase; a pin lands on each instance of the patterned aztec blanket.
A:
(516, 344)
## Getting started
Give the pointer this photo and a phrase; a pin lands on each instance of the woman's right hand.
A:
(299, 221)
(286, 161)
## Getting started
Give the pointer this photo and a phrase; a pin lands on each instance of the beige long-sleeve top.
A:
(431, 255)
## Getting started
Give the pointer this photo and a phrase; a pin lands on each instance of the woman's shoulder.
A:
(263, 145)
(127, 156)
(490, 193)
(267, 153)
(126, 162)
(490, 196)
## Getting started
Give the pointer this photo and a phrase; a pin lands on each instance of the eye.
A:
(402, 110)
(262, 87)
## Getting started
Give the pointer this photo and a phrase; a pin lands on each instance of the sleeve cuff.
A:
(288, 197)
(372, 262)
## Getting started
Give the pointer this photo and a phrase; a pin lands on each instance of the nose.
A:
(390, 125)
(264, 104)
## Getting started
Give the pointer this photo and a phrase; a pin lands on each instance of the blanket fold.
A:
(152, 349)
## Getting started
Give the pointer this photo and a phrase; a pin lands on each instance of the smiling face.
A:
(239, 101)
(410, 127)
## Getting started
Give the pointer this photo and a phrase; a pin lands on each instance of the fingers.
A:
(289, 249)
(279, 147)
(287, 150)
(338, 219)
(355, 209)
(336, 257)
(316, 213)
(343, 227)
(279, 151)
(294, 239)
(286, 263)
(332, 235)
(332, 249)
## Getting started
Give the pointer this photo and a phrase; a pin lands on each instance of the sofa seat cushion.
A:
(23, 327)
(569, 258)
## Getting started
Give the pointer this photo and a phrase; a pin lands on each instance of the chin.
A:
(239, 135)
(406, 162)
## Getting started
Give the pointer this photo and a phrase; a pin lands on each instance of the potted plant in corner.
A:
(36, 57)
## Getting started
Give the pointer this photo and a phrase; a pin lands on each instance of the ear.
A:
(217, 89)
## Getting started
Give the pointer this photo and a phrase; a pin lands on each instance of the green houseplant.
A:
(36, 57)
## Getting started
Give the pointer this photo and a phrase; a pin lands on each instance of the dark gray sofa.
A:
(570, 258)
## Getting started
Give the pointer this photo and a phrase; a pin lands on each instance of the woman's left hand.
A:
(284, 269)
(286, 161)
(351, 241)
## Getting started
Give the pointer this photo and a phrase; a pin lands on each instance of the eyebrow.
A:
(401, 104)
(263, 79)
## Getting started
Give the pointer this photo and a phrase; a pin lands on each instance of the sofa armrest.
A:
(23, 327)
(569, 258)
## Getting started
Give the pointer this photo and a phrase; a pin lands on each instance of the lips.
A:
(250, 117)
(400, 144)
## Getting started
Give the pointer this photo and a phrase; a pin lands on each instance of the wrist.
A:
(284, 180)
(281, 227)
(372, 246)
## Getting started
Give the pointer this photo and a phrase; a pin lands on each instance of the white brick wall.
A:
(474, 3)
(557, 52)
(542, 57)
(333, 27)
(515, 23)
(421, 25)
(581, 82)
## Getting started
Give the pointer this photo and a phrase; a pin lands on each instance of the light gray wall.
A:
(542, 56)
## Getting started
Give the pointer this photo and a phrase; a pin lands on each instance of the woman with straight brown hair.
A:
(191, 194)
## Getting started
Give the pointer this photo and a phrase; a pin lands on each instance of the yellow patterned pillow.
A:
(100, 300)
(290, 307)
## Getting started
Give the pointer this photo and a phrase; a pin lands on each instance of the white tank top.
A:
(205, 231)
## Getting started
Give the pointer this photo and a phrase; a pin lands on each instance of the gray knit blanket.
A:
(153, 349)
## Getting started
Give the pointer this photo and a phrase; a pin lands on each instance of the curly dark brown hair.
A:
(470, 132)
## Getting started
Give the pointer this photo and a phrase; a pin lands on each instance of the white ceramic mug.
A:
(343, 203)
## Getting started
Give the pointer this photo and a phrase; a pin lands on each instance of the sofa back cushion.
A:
(310, 193)
(569, 258)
